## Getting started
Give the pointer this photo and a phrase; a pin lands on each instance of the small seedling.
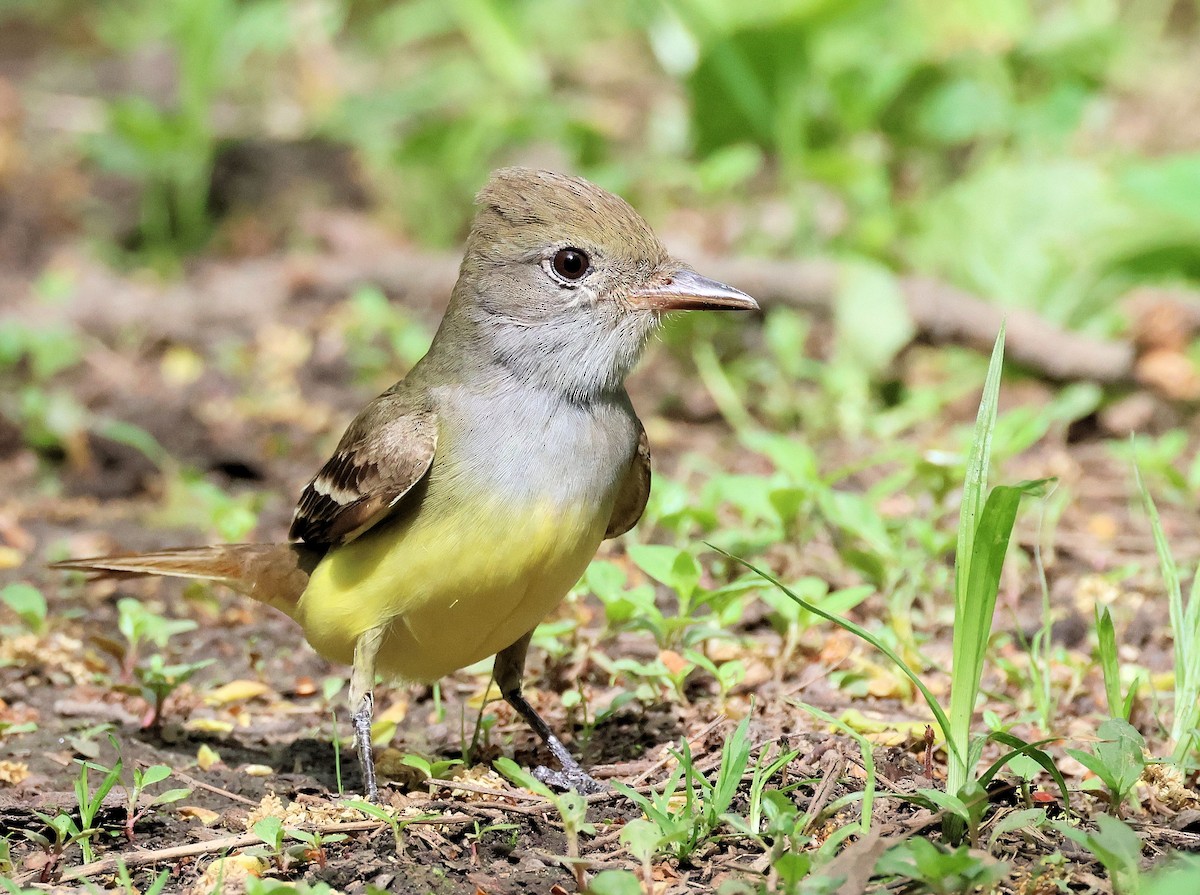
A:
(89, 803)
(65, 833)
(397, 824)
(643, 840)
(937, 870)
(310, 847)
(139, 625)
(270, 831)
(125, 881)
(1106, 649)
(159, 680)
(1115, 846)
(789, 863)
(1118, 760)
(683, 829)
(27, 603)
(432, 770)
(1185, 630)
(477, 834)
(141, 781)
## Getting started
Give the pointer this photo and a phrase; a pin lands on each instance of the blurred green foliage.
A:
(973, 140)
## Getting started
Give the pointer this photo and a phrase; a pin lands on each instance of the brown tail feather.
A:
(275, 574)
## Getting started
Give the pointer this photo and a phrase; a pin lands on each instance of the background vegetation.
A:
(225, 224)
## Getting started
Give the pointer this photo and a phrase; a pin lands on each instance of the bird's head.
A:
(562, 282)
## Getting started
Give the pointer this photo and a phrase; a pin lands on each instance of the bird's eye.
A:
(571, 264)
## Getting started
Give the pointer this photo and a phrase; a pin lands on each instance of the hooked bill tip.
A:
(687, 290)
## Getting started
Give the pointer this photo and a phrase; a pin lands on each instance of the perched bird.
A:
(465, 501)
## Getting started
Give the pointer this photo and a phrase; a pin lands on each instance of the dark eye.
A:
(571, 264)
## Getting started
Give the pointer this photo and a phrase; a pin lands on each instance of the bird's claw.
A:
(569, 778)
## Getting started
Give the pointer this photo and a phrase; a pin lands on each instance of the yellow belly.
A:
(454, 589)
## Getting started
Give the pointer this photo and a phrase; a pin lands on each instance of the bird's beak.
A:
(686, 290)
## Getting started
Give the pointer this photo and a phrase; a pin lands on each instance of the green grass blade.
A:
(1106, 650)
(1034, 751)
(861, 633)
(973, 618)
(1185, 628)
(978, 460)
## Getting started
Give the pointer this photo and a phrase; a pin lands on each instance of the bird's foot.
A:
(572, 775)
(362, 740)
(575, 778)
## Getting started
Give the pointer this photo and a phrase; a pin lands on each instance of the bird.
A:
(463, 503)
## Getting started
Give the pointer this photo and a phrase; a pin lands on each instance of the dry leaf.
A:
(206, 817)
(886, 731)
(674, 662)
(1102, 526)
(206, 757)
(394, 712)
(236, 691)
(229, 874)
(207, 725)
(11, 557)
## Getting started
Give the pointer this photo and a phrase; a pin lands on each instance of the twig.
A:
(486, 790)
(940, 312)
(211, 302)
(229, 843)
(215, 790)
(824, 793)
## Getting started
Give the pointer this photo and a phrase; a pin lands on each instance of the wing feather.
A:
(385, 452)
(635, 490)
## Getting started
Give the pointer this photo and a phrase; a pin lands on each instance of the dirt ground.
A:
(255, 415)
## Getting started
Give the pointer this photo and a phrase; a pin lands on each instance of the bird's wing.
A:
(635, 489)
(385, 452)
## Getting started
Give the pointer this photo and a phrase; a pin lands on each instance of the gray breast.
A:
(521, 444)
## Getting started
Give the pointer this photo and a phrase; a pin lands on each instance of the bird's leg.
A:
(509, 670)
(362, 702)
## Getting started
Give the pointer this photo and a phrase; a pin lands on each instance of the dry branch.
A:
(229, 843)
(940, 312)
(238, 296)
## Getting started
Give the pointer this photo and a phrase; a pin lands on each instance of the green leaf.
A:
(522, 777)
(871, 317)
(270, 831)
(1031, 752)
(615, 882)
(947, 802)
(28, 603)
(1115, 845)
(1106, 648)
(1170, 184)
(171, 795)
(1016, 821)
(675, 568)
(155, 774)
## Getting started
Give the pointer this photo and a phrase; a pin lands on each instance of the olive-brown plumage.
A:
(462, 504)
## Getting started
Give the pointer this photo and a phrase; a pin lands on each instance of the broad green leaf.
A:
(871, 318)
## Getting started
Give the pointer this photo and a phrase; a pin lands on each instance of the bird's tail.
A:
(275, 574)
